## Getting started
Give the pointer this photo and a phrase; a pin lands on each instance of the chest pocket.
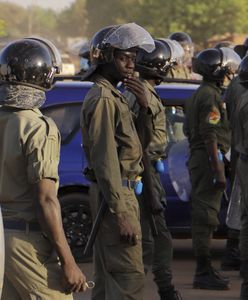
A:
(127, 123)
(159, 118)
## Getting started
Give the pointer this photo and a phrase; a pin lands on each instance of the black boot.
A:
(206, 277)
(244, 275)
(231, 259)
(244, 290)
(170, 294)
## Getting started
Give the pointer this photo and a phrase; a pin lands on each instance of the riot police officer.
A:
(156, 239)
(207, 129)
(114, 155)
(29, 157)
(240, 141)
(183, 70)
(2, 253)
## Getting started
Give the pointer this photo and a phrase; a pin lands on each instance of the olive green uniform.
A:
(29, 152)
(231, 257)
(180, 72)
(206, 121)
(114, 153)
(157, 250)
(241, 146)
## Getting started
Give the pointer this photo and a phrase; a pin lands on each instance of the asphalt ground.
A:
(183, 272)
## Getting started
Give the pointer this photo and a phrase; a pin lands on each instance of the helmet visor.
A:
(56, 57)
(128, 36)
(230, 60)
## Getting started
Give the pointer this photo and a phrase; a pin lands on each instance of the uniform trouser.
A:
(242, 169)
(118, 266)
(32, 271)
(157, 250)
(1, 253)
(205, 202)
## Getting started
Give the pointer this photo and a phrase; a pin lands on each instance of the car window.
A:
(174, 123)
(67, 119)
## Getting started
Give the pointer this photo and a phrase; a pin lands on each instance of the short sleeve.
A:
(42, 152)
(209, 117)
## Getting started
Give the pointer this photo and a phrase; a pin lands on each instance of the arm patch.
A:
(214, 117)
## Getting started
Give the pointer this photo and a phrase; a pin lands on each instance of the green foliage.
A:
(15, 18)
(2, 28)
(73, 21)
(201, 19)
(32, 20)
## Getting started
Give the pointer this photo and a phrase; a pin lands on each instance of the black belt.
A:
(21, 225)
(131, 184)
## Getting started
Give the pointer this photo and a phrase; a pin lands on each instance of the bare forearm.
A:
(49, 215)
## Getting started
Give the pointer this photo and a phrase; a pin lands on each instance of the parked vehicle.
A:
(63, 105)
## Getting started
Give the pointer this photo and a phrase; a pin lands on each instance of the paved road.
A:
(183, 270)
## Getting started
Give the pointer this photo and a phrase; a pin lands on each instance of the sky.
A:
(57, 5)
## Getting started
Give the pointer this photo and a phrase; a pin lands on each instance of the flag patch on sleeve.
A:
(214, 116)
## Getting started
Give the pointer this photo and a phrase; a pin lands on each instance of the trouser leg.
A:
(32, 268)
(242, 168)
(120, 263)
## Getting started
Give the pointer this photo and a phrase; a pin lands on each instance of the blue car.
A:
(63, 105)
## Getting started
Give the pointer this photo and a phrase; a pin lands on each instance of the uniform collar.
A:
(99, 79)
(150, 88)
(212, 85)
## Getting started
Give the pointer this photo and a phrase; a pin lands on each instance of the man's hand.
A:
(219, 176)
(74, 280)
(127, 232)
(135, 86)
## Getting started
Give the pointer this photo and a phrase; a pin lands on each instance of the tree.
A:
(200, 19)
(73, 21)
(15, 18)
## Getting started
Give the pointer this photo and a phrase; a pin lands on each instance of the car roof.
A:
(75, 91)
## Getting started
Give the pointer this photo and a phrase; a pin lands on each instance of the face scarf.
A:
(20, 96)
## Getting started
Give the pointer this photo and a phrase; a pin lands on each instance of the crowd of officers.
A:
(124, 139)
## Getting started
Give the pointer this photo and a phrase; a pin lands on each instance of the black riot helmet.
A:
(186, 42)
(180, 37)
(214, 64)
(242, 49)
(243, 70)
(156, 64)
(99, 52)
(27, 62)
(121, 37)
(56, 57)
